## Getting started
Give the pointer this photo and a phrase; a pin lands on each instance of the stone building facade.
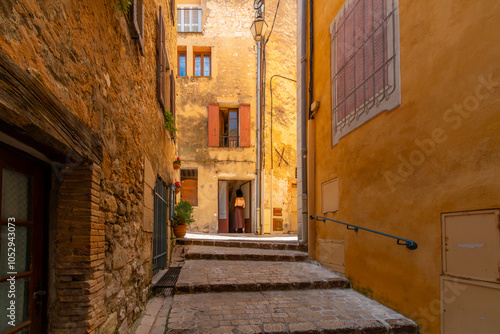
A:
(217, 130)
(84, 153)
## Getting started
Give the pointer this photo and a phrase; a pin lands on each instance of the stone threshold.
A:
(280, 245)
(239, 254)
(333, 283)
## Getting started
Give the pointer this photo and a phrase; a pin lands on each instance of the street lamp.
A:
(259, 27)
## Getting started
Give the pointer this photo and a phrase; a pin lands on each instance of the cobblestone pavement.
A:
(205, 276)
(233, 253)
(305, 311)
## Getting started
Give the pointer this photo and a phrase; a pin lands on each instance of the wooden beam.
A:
(31, 113)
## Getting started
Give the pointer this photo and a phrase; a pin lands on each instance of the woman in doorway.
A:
(239, 212)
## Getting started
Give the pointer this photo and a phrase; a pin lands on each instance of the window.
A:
(161, 208)
(228, 130)
(228, 127)
(202, 64)
(189, 186)
(364, 63)
(188, 18)
(163, 65)
(182, 61)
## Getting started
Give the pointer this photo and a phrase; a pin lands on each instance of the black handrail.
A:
(412, 245)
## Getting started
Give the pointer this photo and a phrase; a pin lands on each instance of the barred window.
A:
(188, 18)
(364, 63)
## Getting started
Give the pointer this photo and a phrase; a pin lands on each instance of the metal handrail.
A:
(412, 245)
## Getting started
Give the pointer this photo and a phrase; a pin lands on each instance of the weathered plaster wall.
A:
(450, 101)
(83, 52)
(226, 29)
(281, 60)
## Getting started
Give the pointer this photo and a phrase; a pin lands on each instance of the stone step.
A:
(217, 276)
(280, 245)
(251, 254)
(305, 311)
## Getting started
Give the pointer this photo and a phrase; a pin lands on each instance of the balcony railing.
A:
(188, 19)
(228, 141)
(412, 245)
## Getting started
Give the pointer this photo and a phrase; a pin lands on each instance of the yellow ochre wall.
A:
(450, 92)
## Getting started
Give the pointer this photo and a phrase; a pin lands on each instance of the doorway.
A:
(22, 268)
(227, 198)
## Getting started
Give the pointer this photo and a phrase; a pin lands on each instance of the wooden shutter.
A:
(172, 94)
(213, 125)
(245, 125)
(162, 63)
(189, 191)
(137, 16)
(172, 11)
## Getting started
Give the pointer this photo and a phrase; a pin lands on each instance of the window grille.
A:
(365, 63)
(161, 208)
(189, 19)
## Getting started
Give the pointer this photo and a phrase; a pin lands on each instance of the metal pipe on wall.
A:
(303, 219)
(258, 146)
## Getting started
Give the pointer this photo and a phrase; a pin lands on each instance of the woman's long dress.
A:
(239, 217)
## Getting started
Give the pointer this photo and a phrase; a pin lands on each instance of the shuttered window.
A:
(172, 94)
(213, 125)
(245, 139)
(364, 64)
(229, 127)
(189, 19)
(189, 186)
(137, 23)
(163, 64)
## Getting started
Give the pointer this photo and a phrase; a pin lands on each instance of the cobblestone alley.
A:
(261, 287)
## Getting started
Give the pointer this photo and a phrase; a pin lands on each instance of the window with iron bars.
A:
(365, 71)
(189, 19)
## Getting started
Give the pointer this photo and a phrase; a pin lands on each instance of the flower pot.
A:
(176, 166)
(177, 190)
(180, 231)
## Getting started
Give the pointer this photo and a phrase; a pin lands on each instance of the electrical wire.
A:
(274, 21)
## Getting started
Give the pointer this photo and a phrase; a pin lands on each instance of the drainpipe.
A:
(258, 146)
(311, 142)
(302, 117)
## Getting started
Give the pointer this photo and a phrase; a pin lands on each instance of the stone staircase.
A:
(264, 287)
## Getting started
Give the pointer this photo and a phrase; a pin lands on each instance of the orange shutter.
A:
(213, 125)
(189, 191)
(245, 125)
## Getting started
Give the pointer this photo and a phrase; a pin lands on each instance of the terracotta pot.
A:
(176, 166)
(177, 190)
(180, 231)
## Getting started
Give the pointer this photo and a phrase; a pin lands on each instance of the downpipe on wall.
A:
(258, 171)
(302, 117)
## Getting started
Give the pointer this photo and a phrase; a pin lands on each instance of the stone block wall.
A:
(83, 53)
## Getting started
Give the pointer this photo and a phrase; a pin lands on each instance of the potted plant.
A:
(182, 218)
(177, 187)
(177, 163)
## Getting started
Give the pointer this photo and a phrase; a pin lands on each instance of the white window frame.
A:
(360, 115)
(182, 25)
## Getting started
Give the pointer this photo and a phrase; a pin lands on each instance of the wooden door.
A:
(22, 228)
(223, 208)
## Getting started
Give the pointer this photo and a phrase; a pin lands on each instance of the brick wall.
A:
(80, 245)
